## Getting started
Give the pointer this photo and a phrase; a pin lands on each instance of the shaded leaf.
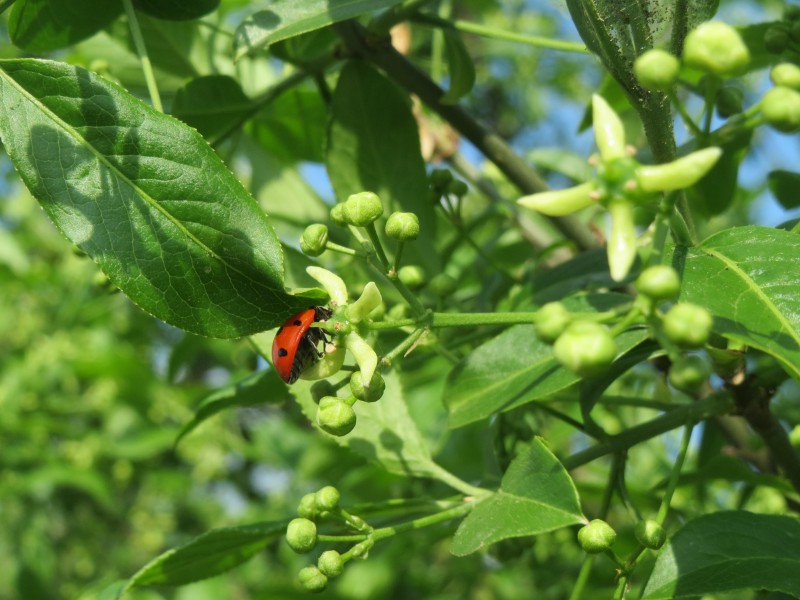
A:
(716, 191)
(785, 186)
(146, 197)
(460, 67)
(212, 104)
(288, 18)
(728, 551)
(210, 554)
(292, 127)
(748, 278)
(176, 10)
(536, 495)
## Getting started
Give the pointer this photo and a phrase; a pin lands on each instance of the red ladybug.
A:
(295, 345)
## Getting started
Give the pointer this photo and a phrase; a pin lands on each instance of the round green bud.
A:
(330, 564)
(337, 215)
(312, 579)
(314, 239)
(440, 178)
(716, 47)
(586, 348)
(688, 325)
(650, 534)
(660, 282)
(596, 537)
(307, 508)
(786, 75)
(729, 101)
(553, 320)
(335, 416)
(398, 312)
(301, 535)
(402, 226)
(321, 389)
(780, 107)
(362, 209)
(457, 188)
(442, 285)
(411, 276)
(327, 498)
(372, 392)
(657, 70)
(689, 373)
(776, 39)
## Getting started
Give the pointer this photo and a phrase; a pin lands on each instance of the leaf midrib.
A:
(102, 159)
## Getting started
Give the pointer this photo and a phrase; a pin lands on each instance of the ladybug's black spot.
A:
(298, 322)
(282, 352)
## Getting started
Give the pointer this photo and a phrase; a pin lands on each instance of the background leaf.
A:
(728, 551)
(748, 278)
(535, 496)
(141, 186)
(176, 10)
(212, 104)
(460, 67)
(785, 186)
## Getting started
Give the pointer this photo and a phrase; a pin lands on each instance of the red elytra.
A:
(294, 348)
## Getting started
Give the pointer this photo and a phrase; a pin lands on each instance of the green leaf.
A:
(460, 67)
(373, 145)
(585, 272)
(536, 495)
(785, 186)
(146, 197)
(748, 278)
(44, 480)
(288, 18)
(43, 25)
(515, 368)
(176, 10)
(292, 127)
(210, 554)
(716, 191)
(212, 104)
(728, 468)
(728, 551)
(259, 388)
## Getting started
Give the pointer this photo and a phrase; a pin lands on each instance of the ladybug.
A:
(295, 345)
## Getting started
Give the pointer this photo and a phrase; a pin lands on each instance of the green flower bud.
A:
(650, 534)
(716, 47)
(337, 215)
(411, 276)
(689, 373)
(332, 283)
(776, 39)
(586, 348)
(688, 325)
(327, 498)
(335, 416)
(362, 209)
(307, 508)
(312, 579)
(398, 312)
(678, 174)
(363, 353)
(301, 535)
(457, 188)
(442, 285)
(657, 70)
(557, 203)
(369, 300)
(780, 107)
(596, 537)
(314, 239)
(621, 247)
(660, 282)
(440, 178)
(372, 392)
(729, 101)
(786, 75)
(321, 389)
(609, 133)
(553, 319)
(330, 364)
(331, 564)
(402, 226)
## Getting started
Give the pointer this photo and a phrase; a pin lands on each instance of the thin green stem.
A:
(141, 49)
(613, 477)
(336, 539)
(397, 324)
(637, 402)
(376, 244)
(403, 346)
(4, 6)
(583, 577)
(342, 249)
(687, 118)
(398, 254)
(445, 515)
(381, 24)
(676, 472)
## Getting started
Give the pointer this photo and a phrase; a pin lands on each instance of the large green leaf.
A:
(213, 105)
(728, 551)
(176, 10)
(210, 554)
(748, 278)
(146, 197)
(288, 18)
(535, 496)
(373, 145)
(42, 25)
(515, 368)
